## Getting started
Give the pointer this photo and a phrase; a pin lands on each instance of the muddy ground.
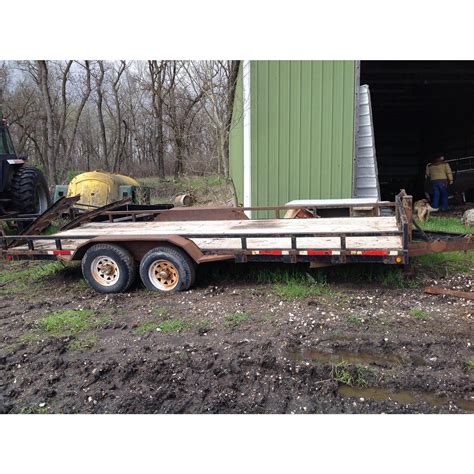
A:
(235, 344)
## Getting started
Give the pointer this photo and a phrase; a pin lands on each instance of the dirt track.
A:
(230, 346)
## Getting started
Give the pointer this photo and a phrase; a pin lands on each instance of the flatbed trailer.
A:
(166, 245)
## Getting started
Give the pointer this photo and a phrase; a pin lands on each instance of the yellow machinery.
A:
(98, 188)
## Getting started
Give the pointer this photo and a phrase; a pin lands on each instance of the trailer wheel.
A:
(108, 268)
(167, 269)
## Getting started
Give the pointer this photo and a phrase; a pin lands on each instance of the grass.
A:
(470, 363)
(342, 373)
(418, 313)
(298, 275)
(67, 322)
(448, 263)
(301, 286)
(29, 274)
(172, 325)
(352, 318)
(166, 326)
(236, 319)
(83, 343)
(161, 312)
(445, 224)
(395, 278)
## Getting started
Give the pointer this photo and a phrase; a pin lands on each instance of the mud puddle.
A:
(314, 355)
(405, 397)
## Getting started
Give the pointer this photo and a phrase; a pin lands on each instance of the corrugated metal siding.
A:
(302, 130)
(236, 140)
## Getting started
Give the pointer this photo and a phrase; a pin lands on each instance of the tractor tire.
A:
(29, 191)
(108, 268)
(167, 269)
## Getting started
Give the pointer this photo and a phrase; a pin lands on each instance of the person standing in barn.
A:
(441, 177)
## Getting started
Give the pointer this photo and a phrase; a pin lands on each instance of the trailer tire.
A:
(108, 268)
(167, 269)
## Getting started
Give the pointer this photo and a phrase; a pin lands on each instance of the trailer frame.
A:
(21, 247)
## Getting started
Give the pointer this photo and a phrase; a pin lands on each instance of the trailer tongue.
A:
(169, 247)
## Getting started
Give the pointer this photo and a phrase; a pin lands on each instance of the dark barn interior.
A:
(419, 108)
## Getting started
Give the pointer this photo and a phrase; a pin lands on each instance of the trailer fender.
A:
(140, 245)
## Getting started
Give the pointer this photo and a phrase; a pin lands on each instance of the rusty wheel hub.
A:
(105, 271)
(164, 275)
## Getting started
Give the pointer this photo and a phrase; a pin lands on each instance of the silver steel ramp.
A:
(366, 173)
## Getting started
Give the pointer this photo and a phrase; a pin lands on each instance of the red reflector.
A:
(319, 252)
(269, 252)
(62, 252)
(374, 252)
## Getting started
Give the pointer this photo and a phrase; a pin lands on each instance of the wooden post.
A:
(407, 202)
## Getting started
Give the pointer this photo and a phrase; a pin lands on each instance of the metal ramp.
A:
(366, 173)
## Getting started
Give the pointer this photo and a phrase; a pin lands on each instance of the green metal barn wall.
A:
(302, 128)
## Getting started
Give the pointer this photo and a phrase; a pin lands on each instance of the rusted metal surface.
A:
(224, 213)
(201, 214)
(61, 206)
(43, 221)
(460, 243)
(320, 264)
(140, 245)
(434, 290)
(88, 216)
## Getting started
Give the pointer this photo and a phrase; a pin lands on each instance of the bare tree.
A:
(165, 118)
(157, 78)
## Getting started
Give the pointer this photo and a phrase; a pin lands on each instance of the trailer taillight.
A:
(62, 252)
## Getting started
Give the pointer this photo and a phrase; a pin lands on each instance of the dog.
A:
(423, 209)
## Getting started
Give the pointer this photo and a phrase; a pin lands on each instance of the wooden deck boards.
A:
(248, 228)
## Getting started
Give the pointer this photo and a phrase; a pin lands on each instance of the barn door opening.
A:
(419, 108)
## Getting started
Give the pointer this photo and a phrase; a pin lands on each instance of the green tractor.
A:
(24, 192)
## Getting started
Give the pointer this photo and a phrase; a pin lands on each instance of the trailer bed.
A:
(266, 229)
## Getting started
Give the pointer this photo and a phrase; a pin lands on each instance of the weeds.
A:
(360, 376)
(470, 364)
(341, 373)
(235, 319)
(418, 313)
(395, 278)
